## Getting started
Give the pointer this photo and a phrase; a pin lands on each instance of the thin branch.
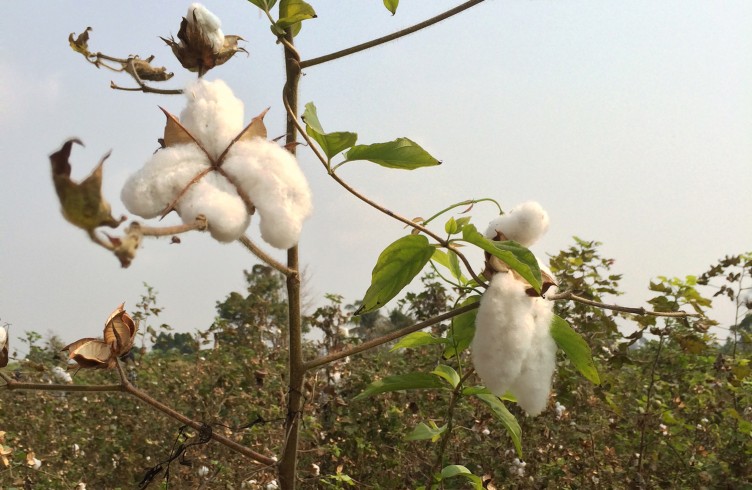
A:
(266, 258)
(12, 385)
(570, 296)
(199, 224)
(245, 451)
(146, 89)
(391, 37)
(388, 337)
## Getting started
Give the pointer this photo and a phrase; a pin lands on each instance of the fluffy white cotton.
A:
(503, 331)
(266, 173)
(3, 337)
(524, 224)
(61, 375)
(272, 179)
(208, 23)
(213, 114)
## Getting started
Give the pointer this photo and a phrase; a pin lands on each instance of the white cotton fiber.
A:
(208, 23)
(148, 191)
(213, 115)
(215, 198)
(524, 224)
(503, 331)
(273, 181)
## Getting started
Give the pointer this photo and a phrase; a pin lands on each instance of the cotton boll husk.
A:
(524, 224)
(533, 385)
(214, 197)
(273, 181)
(208, 23)
(213, 115)
(147, 192)
(504, 328)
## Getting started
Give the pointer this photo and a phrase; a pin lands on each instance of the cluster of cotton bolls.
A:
(265, 172)
(512, 348)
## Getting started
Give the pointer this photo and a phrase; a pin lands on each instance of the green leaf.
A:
(265, 5)
(448, 373)
(517, 257)
(475, 390)
(411, 381)
(391, 5)
(401, 153)
(292, 13)
(575, 347)
(422, 432)
(450, 261)
(463, 329)
(417, 339)
(330, 143)
(454, 470)
(506, 418)
(397, 265)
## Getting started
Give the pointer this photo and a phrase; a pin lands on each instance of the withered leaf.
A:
(119, 333)
(229, 49)
(81, 43)
(119, 330)
(174, 132)
(125, 247)
(3, 347)
(146, 71)
(91, 354)
(256, 128)
(81, 203)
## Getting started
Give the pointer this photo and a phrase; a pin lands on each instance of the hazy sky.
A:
(631, 122)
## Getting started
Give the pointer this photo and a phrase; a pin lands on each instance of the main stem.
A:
(288, 463)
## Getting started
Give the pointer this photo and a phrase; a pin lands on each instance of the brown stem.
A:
(12, 385)
(287, 469)
(646, 415)
(388, 337)
(199, 224)
(129, 388)
(266, 258)
(568, 295)
(390, 37)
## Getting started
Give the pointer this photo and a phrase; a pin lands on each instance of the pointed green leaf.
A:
(417, 339)
(454, 470)
(391, 5)
(448, 373)
(265, 5)
(401, 153)
(450, 261)
(412, 381)
(330, 143)
(575, 347)
(422, 432)
(517, 257)
(397, 265)
(463, 329)
(475, 390)
(506, 418)
(292, 13)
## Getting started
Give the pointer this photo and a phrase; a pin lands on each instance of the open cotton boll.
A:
(504, 328)
(147, 192)
(213, 115)
(524, 224)
(208, 24)
(214, 197)
(533, 385)
(273, 181)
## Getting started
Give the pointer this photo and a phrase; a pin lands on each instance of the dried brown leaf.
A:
(256, 128)
(81, 43)
(174, 132)
(146, 71)
(91, 354)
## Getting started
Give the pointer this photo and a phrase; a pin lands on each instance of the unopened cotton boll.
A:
(208, 23)
(504, 328)
(213, 115)
(524, 224)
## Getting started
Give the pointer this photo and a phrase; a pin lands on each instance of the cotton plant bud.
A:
(208, 24)
(524, 224)
(259, 170)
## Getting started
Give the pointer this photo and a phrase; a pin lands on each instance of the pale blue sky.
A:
(631, 123)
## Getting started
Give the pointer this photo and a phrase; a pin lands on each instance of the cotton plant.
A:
(513, 349)
(214, 167)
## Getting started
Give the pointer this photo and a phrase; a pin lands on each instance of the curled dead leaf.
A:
(81, 203)
(145, 71)
(80, 44)
(125, 247)
(119, 333)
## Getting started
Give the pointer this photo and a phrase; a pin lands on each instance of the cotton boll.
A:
(214, 197)
(533, 385)
(504, 327)
(213, 115)
(273, 181)
(524, 224)
(148, 191)
(208, 23)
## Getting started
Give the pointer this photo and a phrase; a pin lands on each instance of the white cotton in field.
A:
(214, 116)
(504, 328)
(273, 181)
(524, 224)
(208, 23)
(148, 191)
(533, 385)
